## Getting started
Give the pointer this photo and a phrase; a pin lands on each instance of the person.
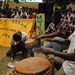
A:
(68, 59)
(7, 11)
(57, 29)
(17, 43)
(69, 15)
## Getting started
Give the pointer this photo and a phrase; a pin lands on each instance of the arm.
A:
(66, 56)
(12, 46)
(12, 55)
(51, 35)
(64, 42)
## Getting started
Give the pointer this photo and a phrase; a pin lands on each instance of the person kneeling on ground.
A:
(67, 60)
(17, 43)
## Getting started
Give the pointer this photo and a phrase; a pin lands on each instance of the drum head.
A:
(31, 42)
(33, 65)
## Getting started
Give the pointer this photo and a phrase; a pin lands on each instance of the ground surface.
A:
(4, 60)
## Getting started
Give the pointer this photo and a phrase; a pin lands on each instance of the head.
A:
(56, 17)
(17, 36)
(7, 5)
(69, 11)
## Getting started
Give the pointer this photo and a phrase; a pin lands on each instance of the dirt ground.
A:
(4, 60)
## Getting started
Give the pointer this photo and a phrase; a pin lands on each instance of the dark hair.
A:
(56, 16)
(69, 10)
(17, 36)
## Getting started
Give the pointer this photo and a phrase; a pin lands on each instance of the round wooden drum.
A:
(49, 57)
(33, 66)
(31, 42)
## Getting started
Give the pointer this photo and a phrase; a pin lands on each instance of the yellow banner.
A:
(40, 25)
(9, 26)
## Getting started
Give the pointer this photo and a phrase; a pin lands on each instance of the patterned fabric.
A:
(65, 29)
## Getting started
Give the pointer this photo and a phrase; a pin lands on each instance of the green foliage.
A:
(17, 1)
(60, 2)
(8, 1)
(72, 1)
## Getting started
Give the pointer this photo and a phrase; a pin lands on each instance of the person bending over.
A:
(17, 43)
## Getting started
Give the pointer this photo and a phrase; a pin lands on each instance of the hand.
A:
(43, 50)
(34, 37)
(49, 39)
(38, 37)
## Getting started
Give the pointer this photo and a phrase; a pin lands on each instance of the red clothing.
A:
(31, 16)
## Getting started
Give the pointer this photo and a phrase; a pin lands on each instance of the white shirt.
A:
(70, 16)
(24, 38)
(69, 66)
(18, 16)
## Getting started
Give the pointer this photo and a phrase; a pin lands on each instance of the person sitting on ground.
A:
(57, 30)
(65, 60)
(17, 43)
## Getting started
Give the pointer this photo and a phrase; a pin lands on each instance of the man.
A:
(7, 11)
(17, 43)
(68, 66)
(57, 30)
(69, 15)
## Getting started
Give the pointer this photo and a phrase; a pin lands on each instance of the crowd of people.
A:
(60, 34)
(25, 12)
(18, 12)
